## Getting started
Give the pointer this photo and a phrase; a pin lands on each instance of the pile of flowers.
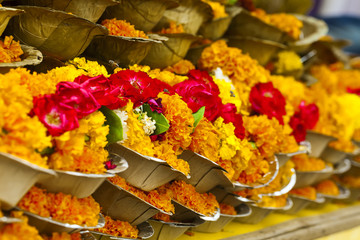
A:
(227, 209)
(173, 28)
(327, 187)
(217, 8)
(118, 228)
(204, 203)
(305, 163)
(308, 192)
(273, 202)
(159, 197)
(122, 28)
(61, 207)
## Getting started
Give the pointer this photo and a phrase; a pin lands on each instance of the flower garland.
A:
(61, 207)
(307, 192)
(10, 50)
(186, 194)
(158, 197)
(118, 228)
(122, 28)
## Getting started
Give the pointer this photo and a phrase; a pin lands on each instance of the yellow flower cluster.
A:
(243, 71)
(273, 202)
(258, 166)
(182, 67)
(218, 9)
(285, 22)
(343, 145)
(10, 50)
(226, 93)
(288, 61)
(269, 135)
(82, 149)
(305, 163)
(20, 134)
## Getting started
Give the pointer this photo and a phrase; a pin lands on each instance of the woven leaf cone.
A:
(215, 29)
(144, 14)
(124, 51)
(246, 25)
(88, 9)
(259, 49)
(5, 15)
(191, 14)
(55, 33)
(169, 52)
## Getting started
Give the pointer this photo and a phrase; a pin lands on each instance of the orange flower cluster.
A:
(173, 28)
(158, 197)
(257, 168)
(63, 236)
(351, 181)
(182, 67)
(10, 51)
(343, 145)
(186, 194)
(217, 8)
(205, 140)
(19, 231)
(181, 122)
(243, 71)
(285, 22)
(61, 207)
(269, 135)
(307, 192)
(162, 217)
(273, 202)
(118, 228)
(122, 28)
(305, 163)
(328, 187)
(227, 209)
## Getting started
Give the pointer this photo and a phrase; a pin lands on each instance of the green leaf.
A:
(115, 126)
(253, 145)
(162, 124)
(47, 151)
(198, 115)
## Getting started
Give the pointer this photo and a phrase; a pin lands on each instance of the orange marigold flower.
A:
(181, 122)
(205, 140)
(327, 187)
(351, 181)
(122, 28)
(118, 228)
(275, 202)
(19, 231)
(63, 236)
(227, 209)
(305, 163)
(162, 217)
(186, 194)
(10, 50)
(158, 197)
(343, 145)
(61, 207)
(182, 67)
(217, 8)
(307, 192)
(173, 28)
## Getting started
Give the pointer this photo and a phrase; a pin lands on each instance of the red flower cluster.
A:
(305, 118)
(228, 113)
(354, 91)
(59, 112)
(267, 100)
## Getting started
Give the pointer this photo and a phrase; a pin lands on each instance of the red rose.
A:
(228, 113)
(305, 118)
(354, 91)
(197, 94)
(72, 95)
(103, 91)
(265, 99)
(203, 76)
(56, 118)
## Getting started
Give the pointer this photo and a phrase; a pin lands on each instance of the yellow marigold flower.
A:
(288, 61)
(88, 68)
(343, 145)
(163, 150)
(285, 22)
(137, 139)
(122, 28)
(182, 67)
(243, 71)
(275, 202)
(226, 93)
(181, 121)
(10, 50)
(173, 28)
(307, 192)
(205, 140)
(218, 9)
(118, 228)
(327, 187)
(305, 163)
(19, 231)
(229, 143)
